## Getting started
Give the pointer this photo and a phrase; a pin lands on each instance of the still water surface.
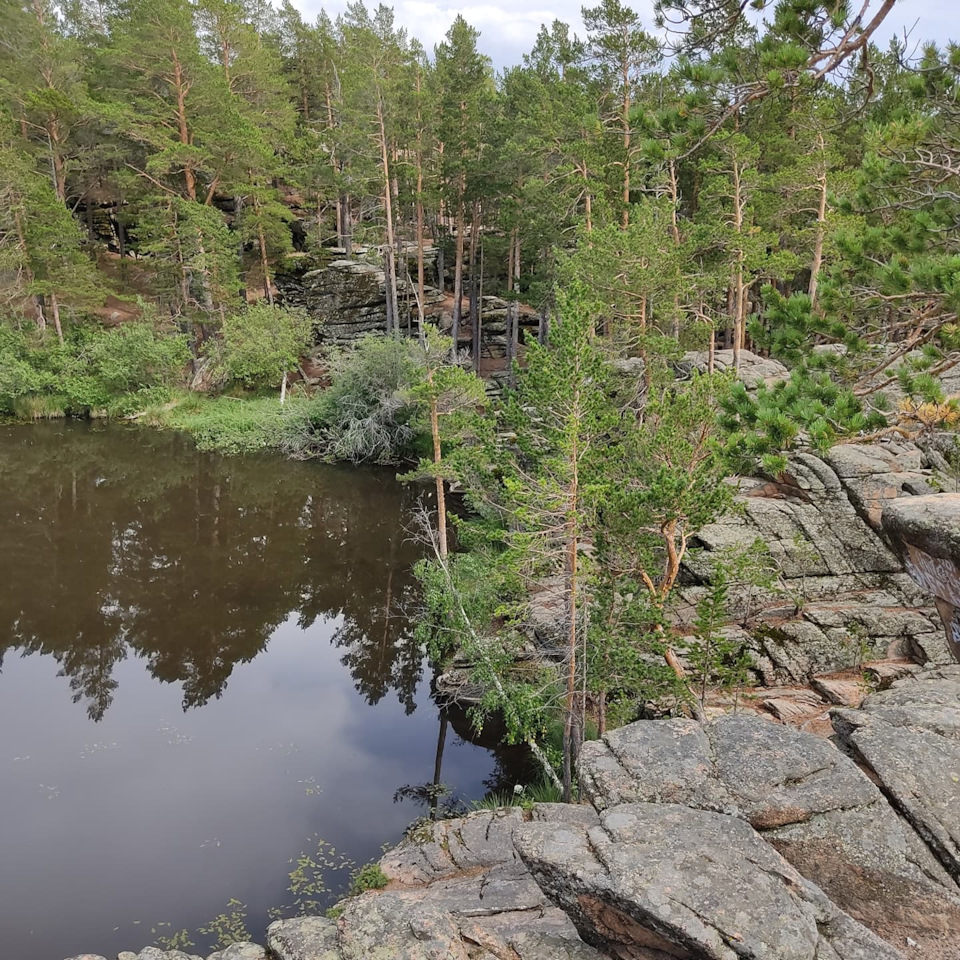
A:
(205, 669)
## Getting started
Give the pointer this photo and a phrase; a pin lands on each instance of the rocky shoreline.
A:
(820, 823)
(743, 837)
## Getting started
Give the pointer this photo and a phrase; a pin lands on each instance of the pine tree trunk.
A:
(821, 231)
(474, 289)
(393, 308)
(182, 127)
(264, 261)
(458, 274)
(55, 313)
(739, 292)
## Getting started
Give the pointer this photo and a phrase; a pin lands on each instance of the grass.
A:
(42, 406)
(228, 425)
(528, 795)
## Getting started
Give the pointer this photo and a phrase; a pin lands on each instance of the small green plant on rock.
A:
(368, 877)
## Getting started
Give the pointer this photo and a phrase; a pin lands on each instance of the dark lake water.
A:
(206, 669)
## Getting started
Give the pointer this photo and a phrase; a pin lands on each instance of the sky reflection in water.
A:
(204, 667)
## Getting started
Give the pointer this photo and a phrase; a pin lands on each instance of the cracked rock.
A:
(659, 881)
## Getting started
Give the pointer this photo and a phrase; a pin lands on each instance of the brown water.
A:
(205, 668)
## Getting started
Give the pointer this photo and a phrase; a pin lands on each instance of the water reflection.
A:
(113, 545)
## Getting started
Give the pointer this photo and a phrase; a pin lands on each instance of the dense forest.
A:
(730, 181)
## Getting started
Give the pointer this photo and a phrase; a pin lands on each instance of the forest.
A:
(730, 182)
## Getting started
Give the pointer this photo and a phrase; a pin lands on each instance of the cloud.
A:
(508, 30)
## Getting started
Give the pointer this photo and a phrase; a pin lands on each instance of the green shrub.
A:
(368, 877)
(117, 370)
(261, 343)
(230, 426)
(366, 414)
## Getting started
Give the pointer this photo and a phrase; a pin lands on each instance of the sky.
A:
(508, 27)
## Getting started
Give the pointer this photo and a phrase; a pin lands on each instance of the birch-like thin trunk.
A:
(821, 228)
(55, 313)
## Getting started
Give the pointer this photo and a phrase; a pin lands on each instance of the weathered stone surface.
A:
(843, 693)
(884, 674)
(920, 772)
(926, 531)
(843, 596)
(447, 847)
(241, 951)
(754, 369)
(662, 881)
(909, 736)
(874, 474)
(303, 938)
(385, 926)
(469, 869)
(763, 772)
(799, 705)
(806, 798)
(928, 700)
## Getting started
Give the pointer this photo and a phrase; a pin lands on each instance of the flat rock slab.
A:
(303, 938)
(744, 765)
(449, 847)
(920, 772)
(241, 951)
(842, 693)
(807, 798)
(660, 881)
(929, 700)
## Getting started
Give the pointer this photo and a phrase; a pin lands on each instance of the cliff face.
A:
(844, 596)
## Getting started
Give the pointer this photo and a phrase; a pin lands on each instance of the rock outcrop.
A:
(803, 796)
(926, 532)
(664, 881)
(345, 296)
(742, 838)
(908, 737)
(843, 595)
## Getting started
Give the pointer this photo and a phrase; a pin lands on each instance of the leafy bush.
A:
(367, 412)
(118, 370)
(368, 877)
(261, 343)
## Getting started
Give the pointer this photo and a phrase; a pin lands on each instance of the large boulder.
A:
(754, 369)
(926, 531)
(842, 593)
(909, 738)
(803, 796)
(469, 869)
(665, 881)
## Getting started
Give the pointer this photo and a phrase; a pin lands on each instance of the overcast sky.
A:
(508, 27)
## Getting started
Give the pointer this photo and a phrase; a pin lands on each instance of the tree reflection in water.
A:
(119, 541)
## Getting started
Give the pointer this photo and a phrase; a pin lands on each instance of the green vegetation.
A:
(368, 877)
(781, 186)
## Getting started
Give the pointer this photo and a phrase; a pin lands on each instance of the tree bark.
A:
(393, 309)
(458, 272)
(821, 228)
(474, 291)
